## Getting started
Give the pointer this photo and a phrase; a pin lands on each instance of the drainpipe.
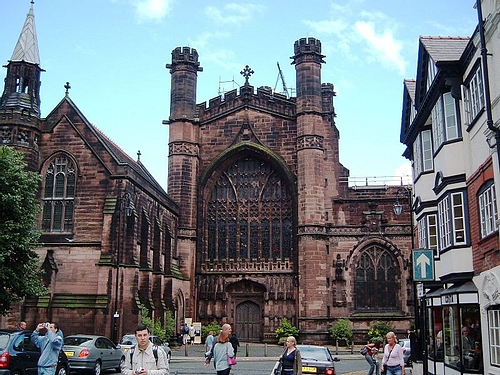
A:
(484, 64)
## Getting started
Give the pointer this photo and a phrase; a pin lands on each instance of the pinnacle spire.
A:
(27, 45)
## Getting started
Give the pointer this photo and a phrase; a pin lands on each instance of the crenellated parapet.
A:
(264, 100)
(184, 56)
(307, 49)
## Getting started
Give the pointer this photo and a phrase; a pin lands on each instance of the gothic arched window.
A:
(376, 280)
(59, 195)
(249, 215)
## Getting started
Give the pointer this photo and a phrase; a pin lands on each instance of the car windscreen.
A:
(128, 340)
(4, 340)
(77, 341)
(319, 354)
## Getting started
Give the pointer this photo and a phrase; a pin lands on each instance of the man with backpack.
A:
(146, 358)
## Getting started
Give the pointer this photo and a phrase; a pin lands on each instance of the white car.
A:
(129, 340)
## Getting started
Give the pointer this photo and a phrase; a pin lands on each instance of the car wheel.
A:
(62, 371)
(122, 363)
(97, 368)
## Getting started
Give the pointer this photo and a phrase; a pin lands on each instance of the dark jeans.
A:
(224, 372)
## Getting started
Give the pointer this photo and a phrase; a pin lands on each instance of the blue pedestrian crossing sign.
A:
(423, 265)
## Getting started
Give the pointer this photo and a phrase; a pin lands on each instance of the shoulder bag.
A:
(231, 361)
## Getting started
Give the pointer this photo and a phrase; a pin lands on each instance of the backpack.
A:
(155, 353)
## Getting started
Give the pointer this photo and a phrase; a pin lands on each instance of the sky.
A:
(113, 54)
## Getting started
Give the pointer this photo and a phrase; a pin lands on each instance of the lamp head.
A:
(397, 208)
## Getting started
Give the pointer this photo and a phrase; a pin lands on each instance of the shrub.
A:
(342, 330)
(378, 330)
(205, 330)
(284, 330)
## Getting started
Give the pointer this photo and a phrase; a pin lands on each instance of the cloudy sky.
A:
(113, 53)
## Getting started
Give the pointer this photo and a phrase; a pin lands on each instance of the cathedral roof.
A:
(27, 45)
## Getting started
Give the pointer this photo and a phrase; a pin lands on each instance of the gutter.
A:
(487, 95)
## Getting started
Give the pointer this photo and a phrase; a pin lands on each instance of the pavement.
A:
(251, 351)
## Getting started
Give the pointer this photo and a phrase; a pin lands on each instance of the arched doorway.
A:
(248, 322)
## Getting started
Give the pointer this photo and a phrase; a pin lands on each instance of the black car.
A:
(315, 360)
(18, 355)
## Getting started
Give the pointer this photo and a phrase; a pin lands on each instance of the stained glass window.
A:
(249, 215)
(376, 269)
(59, 195)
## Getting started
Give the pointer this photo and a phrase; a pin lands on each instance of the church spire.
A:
(22, 83)
(27, 45)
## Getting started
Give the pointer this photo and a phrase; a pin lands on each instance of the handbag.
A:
(363, 350)
(231, 361)
(279, 368)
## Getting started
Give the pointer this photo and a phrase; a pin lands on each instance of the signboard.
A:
(423, 265)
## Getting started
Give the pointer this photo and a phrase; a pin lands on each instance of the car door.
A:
(116, 353)
(109, 353)
(26, 354)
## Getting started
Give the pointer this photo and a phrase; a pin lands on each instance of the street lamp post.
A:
(129, 210)
(406, 193)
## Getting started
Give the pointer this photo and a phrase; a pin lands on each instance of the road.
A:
(252, 360)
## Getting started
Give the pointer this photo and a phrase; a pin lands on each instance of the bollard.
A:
(246, 349)
(185, 350)
(265, 349)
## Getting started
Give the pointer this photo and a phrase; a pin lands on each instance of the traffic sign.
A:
(423, 265)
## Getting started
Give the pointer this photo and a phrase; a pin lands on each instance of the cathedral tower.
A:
(20, 101)
(183, 160)
(311, 167)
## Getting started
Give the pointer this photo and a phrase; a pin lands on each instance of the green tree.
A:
(378, 330)
(169, 326)
(284, 330)
(342, 330)
(20, 275)
(165, 332)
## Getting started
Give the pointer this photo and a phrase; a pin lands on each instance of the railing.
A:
(376, 181)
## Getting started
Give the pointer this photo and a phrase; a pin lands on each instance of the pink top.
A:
(393, 357)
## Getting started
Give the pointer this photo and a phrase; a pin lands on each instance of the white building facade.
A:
(450, 123)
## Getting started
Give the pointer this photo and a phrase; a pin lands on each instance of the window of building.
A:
(59, 195)
(376, 266)
(422, 153)
(488, 215)
(431, 72)
(473, 94)
(249, 215)
(427, 232)
(435, 345)
(444, 120)
(451, 215)
(462, 337)
(494, 335)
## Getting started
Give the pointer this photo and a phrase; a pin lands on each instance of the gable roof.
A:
(444, 48)
(446, 53)
(124, 163)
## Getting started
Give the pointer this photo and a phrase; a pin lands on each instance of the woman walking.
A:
(371, 357)
(393, 361)
(291, 359)
(222, 351)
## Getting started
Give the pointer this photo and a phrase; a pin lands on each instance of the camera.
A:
(139, 370)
